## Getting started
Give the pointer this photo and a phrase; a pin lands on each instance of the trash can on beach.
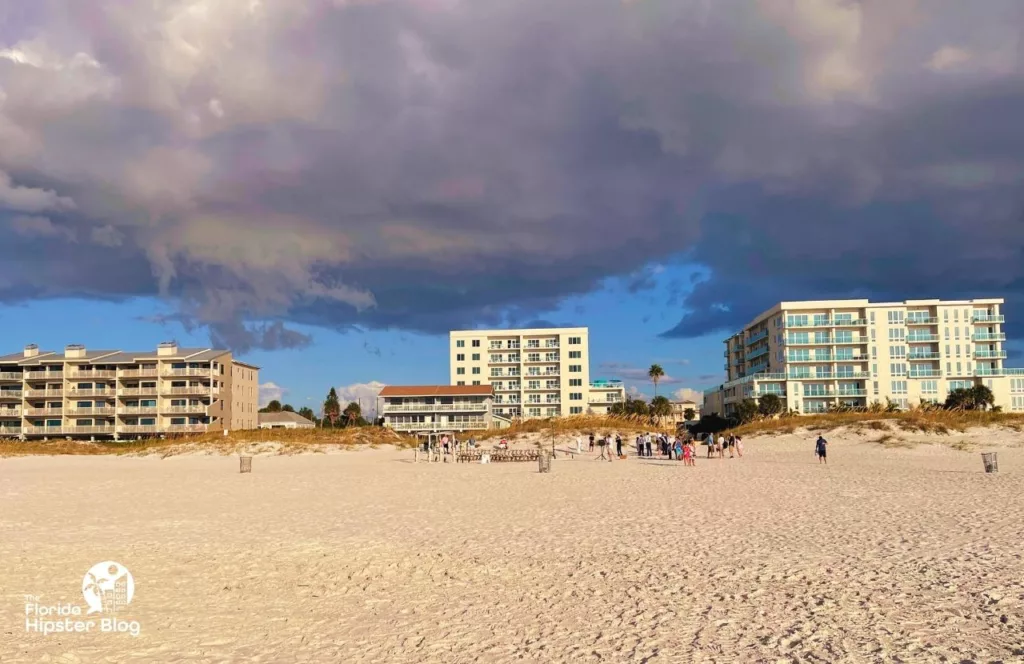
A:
(245, 464)
(991, 462)
(544, 461)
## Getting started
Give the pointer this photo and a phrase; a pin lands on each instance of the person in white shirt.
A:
(720, 446)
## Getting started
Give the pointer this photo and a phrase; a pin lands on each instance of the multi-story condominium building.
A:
(426, 409)
(814, 355)
(109, 393)
(534, 372)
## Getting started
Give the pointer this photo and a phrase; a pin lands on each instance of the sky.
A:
(328, 186)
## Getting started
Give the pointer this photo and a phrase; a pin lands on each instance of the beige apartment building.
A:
(534, 372)
(85, 393)
(855, 352)
(427, 409)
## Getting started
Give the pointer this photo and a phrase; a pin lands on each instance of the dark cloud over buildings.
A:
(428, 165)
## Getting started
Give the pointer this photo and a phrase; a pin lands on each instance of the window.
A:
(874, 352)
(575, 396)
(495, 371)
(533, 412)
(872, 334)
(958, 350)
(897, 334)
(874, 369)
(575, 382)
(872, 316)
(476, 371)
(796, 321)
(945, 315)
(461, 382)
(461, 343)
(846, 371)
(461, 371)
(844, 337)
(461, 357)
(476, 357)
(575, 410)
(899, 387)
(929, 387)
(575, 368)
(575, 354)
(496, 358)
(1016, 403)
(476, 382)
(575, 341)
(897, 352)
(960, 385)
(476, 343)
(898, 369)
(956, 315)
(956, 333)
(949, 367)
(895, 317)
(1017, 385)
(799, 355)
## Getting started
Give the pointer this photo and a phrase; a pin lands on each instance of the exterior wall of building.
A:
(433, 414)
(111, 394)
(603, 394)
(855, 352)
(245, 394)
(505, 359)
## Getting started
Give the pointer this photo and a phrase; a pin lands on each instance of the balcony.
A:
(800, 341)
(853, 374)
(922, 338)
(990, 354)
(847, 341)
(88, 430)
(988, 318)
(925, 373)
(439, 426)
(41, 431)
(137, 391)
(92, 374)
(989, 336)
(425, 408)
(137, 410)
(757, 394)
(16, 377)
(84, 412)
(839, 322)
(10, 413)
(10, 431)
(1013, 372)
(186, 428)
(137, 428)
(43, 375)
(818, 358)
(508, 388)
(191, 389)
(754, 338)
(851, 393)
(7, 395)
(757, 353)
(57, 394)
(138, 373)
(605, 384)
(33, 412)
(931, 320)
(924, 356)
(78, 394)
(197, 409)
(188, 371)
(985, 371)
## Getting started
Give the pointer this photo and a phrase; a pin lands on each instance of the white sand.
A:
(883, 555)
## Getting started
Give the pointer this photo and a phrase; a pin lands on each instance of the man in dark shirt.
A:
(820, 448)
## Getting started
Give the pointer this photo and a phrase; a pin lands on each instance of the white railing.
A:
(77, 394)
(437, 426)
(44, 411)
(137, 391)
(42, 431)
(193, 389)
(44, 375)
(87, 430)
(138, 373)
(4, 375)
(79, 412)
(10, 412)
(137, 428)
(190, 371)
(186, 428)
(10, 431)
(198, 408)
(137, 410)
(42, 393)
(93, 373)
(411, 408)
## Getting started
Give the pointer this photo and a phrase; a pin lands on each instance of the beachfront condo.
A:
(83, 393)
(814, 355)
(428, 409)
(534, 372)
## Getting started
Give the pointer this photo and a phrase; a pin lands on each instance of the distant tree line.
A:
(333, 414)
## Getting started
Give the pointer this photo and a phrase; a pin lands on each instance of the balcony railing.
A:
(6, 375)
(925, 373)
(987, 318)
(191, 389)
(44, 393)
(757, 353)
(853, 374)
(137, 428)
(851, 393)
(198, 408)
(12, 394)
(44, 375)
(800, 341)
(989, 336)
(77, 412)
(30, 412)
(41, 431)
(137, 410)
(818, 358)
(754, 338)
(93, 373)
(438, 426)
(985, 371)
(186, 428)
(990, 354)
(924, 356)
(605, 384)
(188, 371)
(10, 413)
(921, 338)
(839, 322)
(10, 431)
(930, 320)
(137, 391)
(76, 394)
(95, 429)
(1013, 372)
(138, 373)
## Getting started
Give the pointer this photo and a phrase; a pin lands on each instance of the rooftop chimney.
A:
(74, 351)
(167, 348)
(31, 350)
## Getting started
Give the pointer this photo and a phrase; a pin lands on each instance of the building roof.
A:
(523, 331)
(283, 417)
(120, 357)
(437, 391)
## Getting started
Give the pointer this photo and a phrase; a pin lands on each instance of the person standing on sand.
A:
(591, 442)
(647, 445)
(739, 446)
(720, 447)
(618, 445)
(579, 444)
(687, 454)
(820, 449)
(732, 446)
(710, 442)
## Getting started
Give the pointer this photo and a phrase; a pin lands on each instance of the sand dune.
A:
(884, 555)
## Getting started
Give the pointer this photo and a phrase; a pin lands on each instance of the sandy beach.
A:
(885, 555)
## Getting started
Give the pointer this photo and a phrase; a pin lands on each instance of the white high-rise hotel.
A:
(534, 372)
(855, 352)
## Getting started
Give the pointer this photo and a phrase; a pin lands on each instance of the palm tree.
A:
(689, 414)
(656, 373)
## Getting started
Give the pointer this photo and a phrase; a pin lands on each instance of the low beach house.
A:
(424, 409)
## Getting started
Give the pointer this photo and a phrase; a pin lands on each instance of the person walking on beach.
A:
(639, 446)
(820, 449)
(579, 444)
(591, 442)
(732, 446)
(647, 445)
(688, 454)
(710, 442)
(618, 445)
(739, 446)
(720, 446)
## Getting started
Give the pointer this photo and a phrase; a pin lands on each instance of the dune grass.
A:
(289, 441)
(939, 421)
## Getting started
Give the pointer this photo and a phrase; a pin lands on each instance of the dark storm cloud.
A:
(433, 164)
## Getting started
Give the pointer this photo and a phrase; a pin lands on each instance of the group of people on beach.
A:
(675, 448)
(717, 447)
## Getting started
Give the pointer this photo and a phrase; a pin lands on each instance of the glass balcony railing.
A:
(990, 354)
(921, 338)
(924, 356)
(986, 371)
(923, 320)
(989, 336)
(1014, 372)
(988, 318)
(757, 353)
(925, 373)
(754, 338)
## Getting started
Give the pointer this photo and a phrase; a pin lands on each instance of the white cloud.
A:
(34, 226)
(270, 391)
(687, 394)
(366, 393)
(27, 199)
(949, 58)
